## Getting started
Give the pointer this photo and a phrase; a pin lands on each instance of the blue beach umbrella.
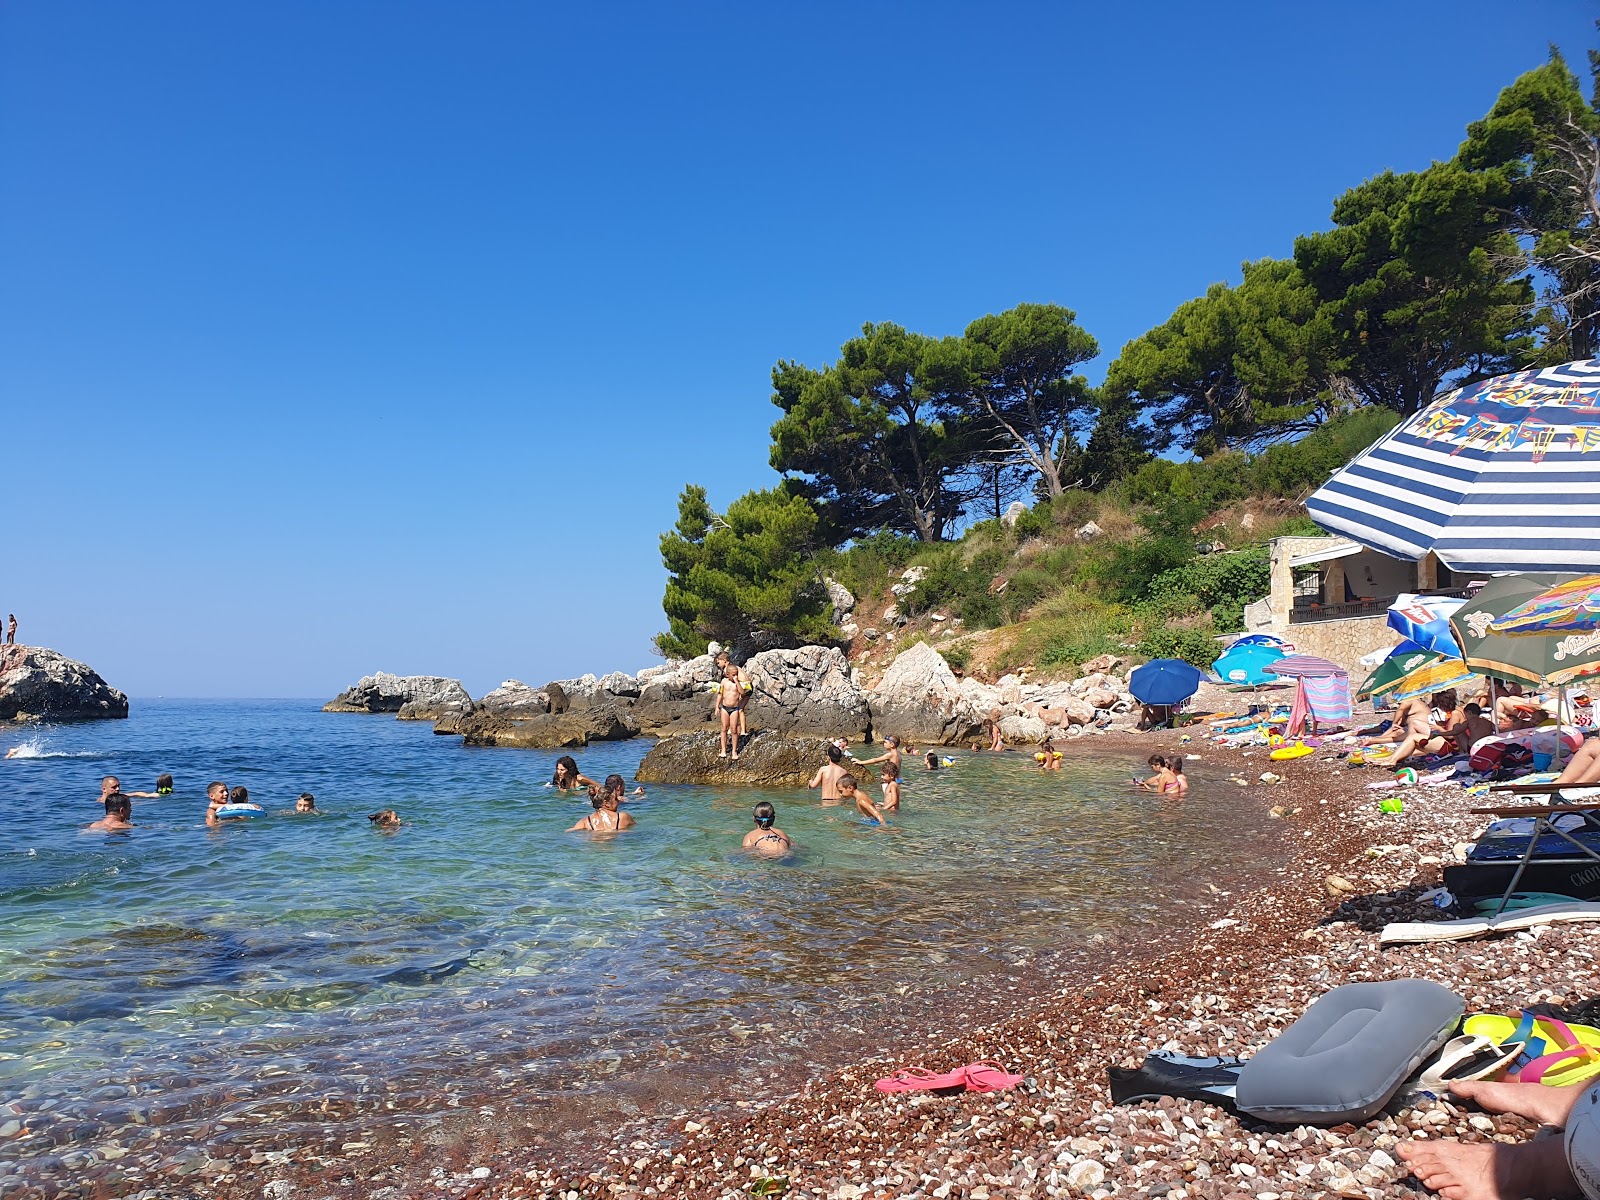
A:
(1425, 621)
(1493, 477)
(1164, 681)
(1250, 664)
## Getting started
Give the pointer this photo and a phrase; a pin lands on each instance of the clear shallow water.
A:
(250, 982)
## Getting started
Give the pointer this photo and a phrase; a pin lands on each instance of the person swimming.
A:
(163, 788)
(1048, 757)
(607, 816)
(305, 802)
(1165, 780)
(765, 838)
(119, 814)
(568, 777)
(216, 797)
(386, 819)
(932, 760)
(829, 773)
(849, 794)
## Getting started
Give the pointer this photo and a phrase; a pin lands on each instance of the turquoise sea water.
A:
(290, 972)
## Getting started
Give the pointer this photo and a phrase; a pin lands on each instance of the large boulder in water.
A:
(920, 698)
(513, 698)
(768, 759)
(807, 691)
(36, 682)
(411, 697)
(549, 731)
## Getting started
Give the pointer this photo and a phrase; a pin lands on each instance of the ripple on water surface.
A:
(300, 967)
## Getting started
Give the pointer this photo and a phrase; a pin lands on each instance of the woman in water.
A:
(163, 788)
(764, 838)
(889, 776)
(1164, 780)
(607, 817)
(568, 777)
(1180, 781)
(1048, 758)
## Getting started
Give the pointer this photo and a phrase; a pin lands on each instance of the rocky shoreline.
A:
(810, 691)
(1241, 972)
(39, 684)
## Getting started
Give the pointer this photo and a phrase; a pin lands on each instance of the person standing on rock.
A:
(730, 704)
(828, 775)
(11, 629)
(745, 687)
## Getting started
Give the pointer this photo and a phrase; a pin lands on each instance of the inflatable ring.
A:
(1297, 750)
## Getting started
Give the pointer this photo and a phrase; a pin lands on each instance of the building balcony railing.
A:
(1309, 608)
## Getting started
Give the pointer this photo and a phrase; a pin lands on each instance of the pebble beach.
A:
(1245, 970)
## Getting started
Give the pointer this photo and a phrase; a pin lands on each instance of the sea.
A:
(179, 992)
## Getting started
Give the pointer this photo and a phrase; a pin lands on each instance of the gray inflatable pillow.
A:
(1349, 1052)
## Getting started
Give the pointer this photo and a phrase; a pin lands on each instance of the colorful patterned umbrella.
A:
(1247, 664)
(1446, 673)
(1570, 607)
(1306, 666)
(1494, 477)
(1422, 670)
(1536, 660)
(1425, 620)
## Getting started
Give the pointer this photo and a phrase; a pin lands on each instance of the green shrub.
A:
(1032, 523)
(958, 655)
(1197, 645)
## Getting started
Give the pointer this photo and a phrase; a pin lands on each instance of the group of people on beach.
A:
(220, 798)
(1440, 724)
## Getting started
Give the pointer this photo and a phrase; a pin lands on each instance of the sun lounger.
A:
(1543, 826)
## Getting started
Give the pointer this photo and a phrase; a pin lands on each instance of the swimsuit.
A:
(776, 837)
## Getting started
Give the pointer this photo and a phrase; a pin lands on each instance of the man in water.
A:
(828, 775)
(119, 813)
(109, 786)
(305, 803)
(385, 818)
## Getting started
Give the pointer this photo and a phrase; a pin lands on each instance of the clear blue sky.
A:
(339, 337)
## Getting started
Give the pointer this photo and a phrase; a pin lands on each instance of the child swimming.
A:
(848, 794)
(1048, 757)
(765, 838)
(889, 776)
(1165, 780)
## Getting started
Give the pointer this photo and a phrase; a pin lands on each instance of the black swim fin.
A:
(1210, 1079)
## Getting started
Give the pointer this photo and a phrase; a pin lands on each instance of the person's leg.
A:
(731, 721)
(1584, 765)
(1491, 1170)
(722, 718)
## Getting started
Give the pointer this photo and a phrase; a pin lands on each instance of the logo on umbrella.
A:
(1578, 643)
(1478, 623)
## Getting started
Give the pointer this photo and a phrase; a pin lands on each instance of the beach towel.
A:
(1328, 697)
(1300, 710)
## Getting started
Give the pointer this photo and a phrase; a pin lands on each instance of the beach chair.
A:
(1543, 824)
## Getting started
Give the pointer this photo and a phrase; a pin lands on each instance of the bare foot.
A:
(1491, 1170)
(1537, 1101)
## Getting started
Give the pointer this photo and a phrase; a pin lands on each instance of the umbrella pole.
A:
(1561, 708)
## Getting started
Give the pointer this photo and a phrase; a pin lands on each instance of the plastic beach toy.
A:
(1295, 750)
(1391, 804)
(1405, 777)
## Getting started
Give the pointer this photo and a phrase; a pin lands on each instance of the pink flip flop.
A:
(918, 1079)
(987, 1077)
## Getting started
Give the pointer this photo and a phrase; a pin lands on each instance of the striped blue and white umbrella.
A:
(1502, 475)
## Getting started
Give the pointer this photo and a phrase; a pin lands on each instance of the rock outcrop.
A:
(410, 697)
(768, 759)
(37, 682)
(599, 722)
(513, 698)
(920, 698)
(807, 692)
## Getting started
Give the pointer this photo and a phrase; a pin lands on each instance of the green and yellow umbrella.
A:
(1419, 673)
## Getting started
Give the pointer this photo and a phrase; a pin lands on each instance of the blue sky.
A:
(357, 336)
